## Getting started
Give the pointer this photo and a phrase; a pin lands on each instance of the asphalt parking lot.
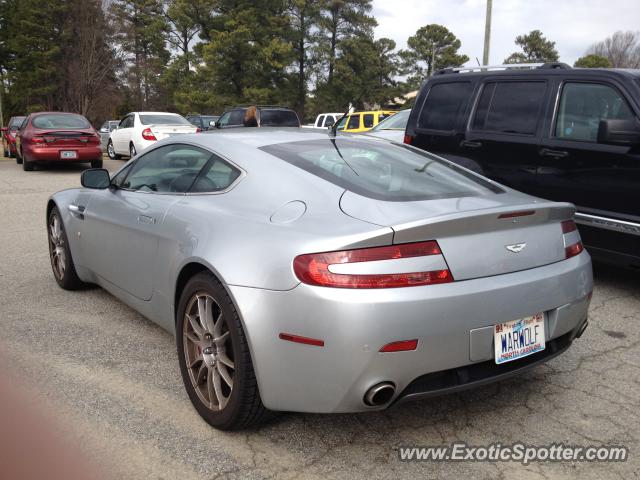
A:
(111, 380)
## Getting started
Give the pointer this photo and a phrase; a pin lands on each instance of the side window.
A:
(127, 122)
(583, 105)
(320, 121)
(510, 107)
(168, 169)
(367, 118)
(236, 117)
(354, 122)
(445, 101)
(121, 175)
(223, 121)
(329, 121)
(217, 175)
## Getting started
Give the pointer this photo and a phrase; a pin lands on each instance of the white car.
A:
(325, 120)
(139, 130)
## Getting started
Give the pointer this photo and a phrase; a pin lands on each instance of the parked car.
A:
(57, 137)
(105, 131)
(266, 116)
(393, 127)
(139, 130)
(325, 120)
(561, 133)
(358, 122)
(9, 136)
(203, 122)
(347, 287)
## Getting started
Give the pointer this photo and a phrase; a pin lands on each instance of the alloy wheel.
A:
(208, 351)
(111, 151)
(57, 247)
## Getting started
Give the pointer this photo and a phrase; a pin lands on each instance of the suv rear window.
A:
(389, 172)
(510, 107)
(278, 118)
(445, 101)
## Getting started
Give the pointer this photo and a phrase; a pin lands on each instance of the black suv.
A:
(203, 122)
(267, 116)
(556, 132)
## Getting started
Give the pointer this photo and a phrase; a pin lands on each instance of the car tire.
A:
(214, 352)
(27, 166)
(64, 270)
(96, 163)
(18, 158)
(111, 151)
(132, 151)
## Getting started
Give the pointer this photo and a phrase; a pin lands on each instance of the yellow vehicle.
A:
(363, 121)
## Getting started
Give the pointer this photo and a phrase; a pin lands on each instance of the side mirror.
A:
(212, 123)
(625, 133)
(95, 178)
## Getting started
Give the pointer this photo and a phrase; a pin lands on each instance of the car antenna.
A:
(334, 128)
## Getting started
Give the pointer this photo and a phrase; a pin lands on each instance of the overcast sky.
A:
(573, 24)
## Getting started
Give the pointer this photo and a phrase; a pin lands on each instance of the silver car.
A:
(307, 273)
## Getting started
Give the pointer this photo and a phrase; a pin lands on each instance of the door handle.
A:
(77, 210)
(470, 144)
(146, 219)
(532, 170)
(547, 152)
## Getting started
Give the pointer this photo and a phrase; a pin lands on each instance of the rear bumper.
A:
(85, 153)
(452, 322)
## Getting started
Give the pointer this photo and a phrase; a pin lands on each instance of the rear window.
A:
(395, 173)
(279, 118)
(510, 107)
(395, 122)
(15, 123)
(445, 101)
(163, 120)
(60, 121)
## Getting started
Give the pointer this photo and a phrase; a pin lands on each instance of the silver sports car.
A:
(307, 273)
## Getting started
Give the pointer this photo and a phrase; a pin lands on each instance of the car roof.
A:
(541, 72)
(155, 113)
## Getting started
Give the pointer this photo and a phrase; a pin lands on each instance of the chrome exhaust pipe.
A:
(379, 394)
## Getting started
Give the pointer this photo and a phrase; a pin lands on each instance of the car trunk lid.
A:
(164, 131)
(479, 236)
(68, 138)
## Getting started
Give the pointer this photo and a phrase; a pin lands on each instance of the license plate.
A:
(68, 154)
(518, 338)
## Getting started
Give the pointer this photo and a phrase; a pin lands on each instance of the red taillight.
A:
(402, 346)
(38, 140)
(573, 250)
(313, 268)
(568, 226)
(299, 339)
(147, 134)
(524, 213)
(198, 130)
(408, 139)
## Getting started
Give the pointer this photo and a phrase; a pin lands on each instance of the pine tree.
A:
(431, 48)
(140, 29)
(535, 48)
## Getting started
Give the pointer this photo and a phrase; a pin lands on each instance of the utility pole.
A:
(1, 95)
(487, 34)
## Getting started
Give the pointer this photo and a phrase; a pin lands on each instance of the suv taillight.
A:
(147, 134)
(408, 139)
(315, 268)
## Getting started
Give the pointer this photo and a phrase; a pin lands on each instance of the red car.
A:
(9, 136)
(57, 137)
